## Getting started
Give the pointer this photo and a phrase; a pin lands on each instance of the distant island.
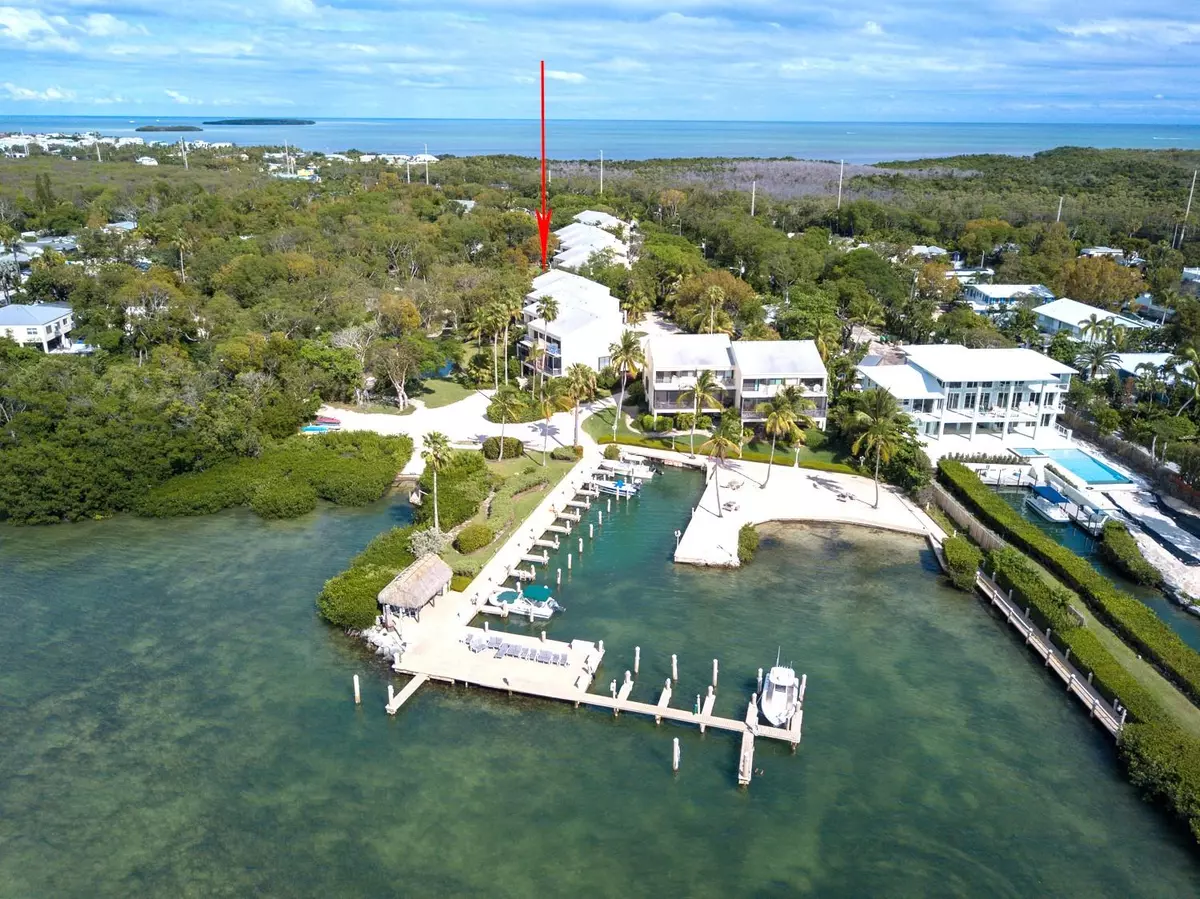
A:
(262, 122)
(169, 128)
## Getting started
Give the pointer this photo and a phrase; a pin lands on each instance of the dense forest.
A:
(241, 301)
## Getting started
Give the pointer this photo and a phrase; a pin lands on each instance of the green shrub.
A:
(503, 506)
(283, 499)
(815, 438)
(612, 451)
(527, 411)
(683, 421)
(635, 393)
(513, 448)
(747, 543)
(473, 537)
(963, 558)
(461, 582)
(350, 599)
(655, 423)
(704, 423)
(1133, 621)
(1119, 548)
(565, 453)
(645, 422)
(462, 485)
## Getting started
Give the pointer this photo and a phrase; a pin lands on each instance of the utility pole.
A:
(407, 171)
(98, 159)
(1188, 211)
(753, 196)
(1058, 218)
(602, 171)
(183, 147)
(841, 172)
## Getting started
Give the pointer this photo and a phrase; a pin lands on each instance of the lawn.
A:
(599, 428)
(438, 392)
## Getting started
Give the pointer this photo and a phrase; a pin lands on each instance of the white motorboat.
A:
(630, 469)
(1045, 505)
(619, 486)
(534, 602)
(780, 695)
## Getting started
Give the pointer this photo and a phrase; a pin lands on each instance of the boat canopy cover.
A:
(537, 592)
(1045, 491)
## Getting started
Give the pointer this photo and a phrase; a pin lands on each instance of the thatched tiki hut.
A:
(418, 584)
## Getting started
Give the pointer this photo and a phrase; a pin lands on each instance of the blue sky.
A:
(923, 60)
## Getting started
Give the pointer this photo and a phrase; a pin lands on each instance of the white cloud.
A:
(872, 28)
(33, 30)
(623, 64)
(569, 77)
(183, 98)
(101, 24)
(50, 94)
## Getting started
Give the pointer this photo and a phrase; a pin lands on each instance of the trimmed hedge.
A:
(513, 448)
(655, 423)
(747, 543)
(566, 453)
(1160, 759)
(473, 537)
(1133, 621)
(503, 506)
(962, 558)
(348, 468)
(1119, 548)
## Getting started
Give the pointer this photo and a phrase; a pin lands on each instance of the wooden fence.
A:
(985, 538)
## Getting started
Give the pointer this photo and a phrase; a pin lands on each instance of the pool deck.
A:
(790, 495)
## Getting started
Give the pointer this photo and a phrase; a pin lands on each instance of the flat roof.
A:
(906, 382)
(576, 318)
(950, 362)
(1008, 291)
(778, 357)
(1073, 312)
(599, 219)
(691, 352)
(39, 314)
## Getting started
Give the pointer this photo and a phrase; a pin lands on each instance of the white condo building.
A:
(592, 232)
(749, 371)
(1071, 316)
(589, 321)
(975, 400)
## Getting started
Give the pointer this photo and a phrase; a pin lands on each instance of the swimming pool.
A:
(1087, 467)
(1027, 452)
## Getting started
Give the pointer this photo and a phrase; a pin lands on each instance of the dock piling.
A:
(543, 636)
(714, 672)
(610, 505)
(591, 531)
(601, 513)
(612, 686)
(637, 658)
(601, 647)
(581, 546)
(357, 692)
(395, 661)
(675, 755)
(391, 694)
(568, 561)
(759, 680)
(628, 677)
(674, 667)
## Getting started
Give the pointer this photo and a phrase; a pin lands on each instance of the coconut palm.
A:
(636, 305)
(780, 422)
(883, 428)
(436, 454)
(182, 241)
(726, 441)
(1147, 381)
(711, 317)
(552, 401)
(580, 386)
(547, 308)
(625, 356)
(536, 358)
(495, 320)
(510, 303)
(1094, 327)
(1096, 358)
(705, 391)
(1190, 378)
(506, 405)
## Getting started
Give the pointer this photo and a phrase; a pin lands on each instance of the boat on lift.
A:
(615, 485)
(533, 602)
(780, 695)
(631, 469)
(1048, 503)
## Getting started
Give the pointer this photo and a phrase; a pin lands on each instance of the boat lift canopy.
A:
(1045, 491)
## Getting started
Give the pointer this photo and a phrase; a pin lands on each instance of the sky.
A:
(774, 60)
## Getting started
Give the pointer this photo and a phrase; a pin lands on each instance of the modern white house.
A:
(992, 297)
(591, 232)
(1072, 317)
(44, 324)
(975, 400)
(965, 275)
(1110, 252)
(588, 322)
(763, 367)
(749, 371)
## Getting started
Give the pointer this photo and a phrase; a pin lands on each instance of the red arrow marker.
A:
(543, 214)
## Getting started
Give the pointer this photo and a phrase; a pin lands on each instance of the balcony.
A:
(750, 409)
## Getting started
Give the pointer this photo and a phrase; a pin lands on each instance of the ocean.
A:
(857, 142)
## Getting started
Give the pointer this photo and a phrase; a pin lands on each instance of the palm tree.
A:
(725, 441)
(182, 242)
(580, 387)
(636, 305)
(495, 320)
(1094, 327)
(705, 391)
(884, 428)
(506, 404)
(1190, 377)
(436, 454)
(625, 356)
(1096, 358)
(711, 317)
(536, 358)
(1147, 381)
(784, 419)
(547, 310)
(551, 402)
(510, 303)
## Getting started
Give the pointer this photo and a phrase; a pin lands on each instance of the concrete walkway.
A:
(791, 494)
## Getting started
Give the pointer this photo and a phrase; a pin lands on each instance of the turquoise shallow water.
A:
(177, 722)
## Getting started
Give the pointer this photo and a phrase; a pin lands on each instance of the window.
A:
(953, 404)
(969, 401)
(31, 332)
(985, 384)
(972, 384)
(604, 362)
(953, 384)
(985, 401)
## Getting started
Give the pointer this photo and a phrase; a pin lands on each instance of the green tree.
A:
(581, 388)
(551, 401)
(780, 422)
(506, 405)
(726, 441)
(436, 455)
(625, 356)
(705, 392)
(1095, 358)
(883, 429)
